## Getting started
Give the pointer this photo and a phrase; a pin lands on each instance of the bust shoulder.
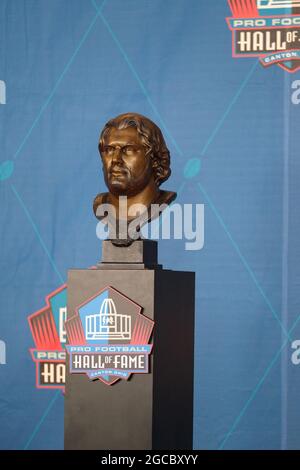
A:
(165, 197)
(101, 198)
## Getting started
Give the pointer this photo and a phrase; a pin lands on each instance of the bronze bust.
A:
(136, 161)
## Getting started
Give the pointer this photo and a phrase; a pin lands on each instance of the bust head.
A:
(136, 161)
(134, 154)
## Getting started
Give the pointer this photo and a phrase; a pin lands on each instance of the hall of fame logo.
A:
(267, 29)
(48, 330)
(108, 338)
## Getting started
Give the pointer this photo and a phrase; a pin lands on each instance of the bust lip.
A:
(117, 172)
(117, 176)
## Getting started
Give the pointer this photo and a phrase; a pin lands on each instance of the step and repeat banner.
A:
(222, 81)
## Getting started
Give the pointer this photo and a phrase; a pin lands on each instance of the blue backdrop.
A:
(68, 67)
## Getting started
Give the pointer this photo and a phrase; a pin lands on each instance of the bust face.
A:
(126, 167)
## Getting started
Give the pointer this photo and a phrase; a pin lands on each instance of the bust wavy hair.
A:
(151, 137)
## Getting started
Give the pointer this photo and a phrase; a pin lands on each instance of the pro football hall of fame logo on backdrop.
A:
(267, 29)
(108, 338)
(48, 330)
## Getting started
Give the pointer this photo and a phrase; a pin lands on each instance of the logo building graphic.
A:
(48, 330)
(108, 337)
(108, 324)
(267, 29)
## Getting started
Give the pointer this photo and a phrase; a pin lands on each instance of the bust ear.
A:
(161, 165)
(162, 173)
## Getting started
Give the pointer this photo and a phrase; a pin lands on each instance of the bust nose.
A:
(117, 155)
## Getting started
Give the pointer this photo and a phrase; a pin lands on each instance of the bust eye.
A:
(129, 149)
(109, 149)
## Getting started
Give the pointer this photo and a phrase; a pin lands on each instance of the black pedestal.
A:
(149, 411)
